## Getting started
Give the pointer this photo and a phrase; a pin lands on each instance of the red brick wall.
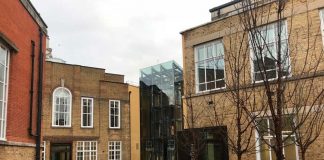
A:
(21, 29)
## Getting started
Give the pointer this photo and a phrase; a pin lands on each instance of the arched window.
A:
(61, 114)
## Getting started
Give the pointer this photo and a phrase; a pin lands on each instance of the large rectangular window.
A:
(115, 150)
(86, 112)
(4, 67)
(265, 45)
(266, 136)
(114, 114)
(209, 65)
(87, 150)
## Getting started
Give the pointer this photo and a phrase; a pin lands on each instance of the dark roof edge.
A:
(34, 14)
(224, 5)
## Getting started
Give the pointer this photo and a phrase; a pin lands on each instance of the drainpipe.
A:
(31, 92)
(130, 127)
(40, 95)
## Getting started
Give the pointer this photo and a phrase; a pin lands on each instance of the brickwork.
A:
(87, 82)
(17, 153)
(20, 28)
(227, 29)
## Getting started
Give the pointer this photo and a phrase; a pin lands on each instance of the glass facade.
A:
(161, 110)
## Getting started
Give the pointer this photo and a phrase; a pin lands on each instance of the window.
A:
(62, 100)
(87, 112)
(322, 23)
(266, 130)
(209, 65)
(114, 114)
(264, 46)
(115, 150)
(87, 150)
(4, 67)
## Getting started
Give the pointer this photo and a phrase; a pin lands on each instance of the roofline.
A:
(201, 25)
(34, 14)
(224, 5)
(76, 65)
(116, 74)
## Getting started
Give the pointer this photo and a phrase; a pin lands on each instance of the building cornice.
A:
(34, 14)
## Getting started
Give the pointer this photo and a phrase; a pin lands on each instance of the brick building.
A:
(252, 53)
(86, 113)
(22, 44)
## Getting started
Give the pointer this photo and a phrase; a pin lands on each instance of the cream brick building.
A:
(86, 114)
(211, 52)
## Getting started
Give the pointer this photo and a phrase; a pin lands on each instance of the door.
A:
(61, 152)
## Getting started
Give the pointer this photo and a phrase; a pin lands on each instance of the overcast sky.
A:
(121, 36)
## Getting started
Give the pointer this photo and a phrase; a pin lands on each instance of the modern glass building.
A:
(161, 110)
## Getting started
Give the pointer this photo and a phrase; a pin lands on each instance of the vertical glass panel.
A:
(290, 149)
(201, 72)
(265, 151)
(202, 87)
(283, 31)
(3, 55)
(201, 54)
(220, 69)
(210, 151)
(273, 154)
(270, 57)
(219, 49)
(210, 72)
(2, 73)
(209, 51)
(1, 91)
(263, 127)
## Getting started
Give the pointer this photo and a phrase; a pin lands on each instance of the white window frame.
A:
(204, 45)
(91, 112)
(119, 112)
(321, 15)
(114, 150)
(84, 151)
(3, 130)
(53, 108)
(275, 43)
(44, 151)
(258, 142)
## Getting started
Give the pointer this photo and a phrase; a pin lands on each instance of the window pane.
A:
(3, 55)
(265, 151)
(219, 49)
(290, 149)
(202, 87)
(209, 51)
(201, 72)
(258, 64)
(220, 69)
(201, 55)
(1, 91)
(220, 84)
(211, 85)
(270, 57)
(2, 72)
(210, 71)
(271, 74)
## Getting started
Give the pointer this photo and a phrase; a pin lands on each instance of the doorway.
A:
(61, 152)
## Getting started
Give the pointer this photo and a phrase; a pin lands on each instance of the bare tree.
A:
(290, 81)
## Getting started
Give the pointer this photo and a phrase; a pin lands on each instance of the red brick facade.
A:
(20, 25)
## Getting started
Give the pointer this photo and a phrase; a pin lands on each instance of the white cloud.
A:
(121, 36)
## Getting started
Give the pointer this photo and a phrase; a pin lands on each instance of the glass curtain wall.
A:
(161, 110)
